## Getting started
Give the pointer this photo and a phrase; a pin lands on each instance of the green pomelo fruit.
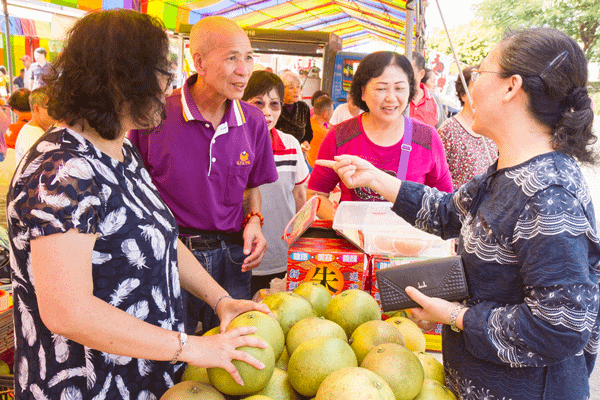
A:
(268, 328)
(432, 390)
(254, 379)
(191, 390)
(212, 331)
(193, 373)
(354, 383)
(282, 361)
(279, 387)
(432, 368)
(4, 368)
(309, 328)
(288, 308)
(414, 339)
(317, 295)
(352, 308)
(399, 367)
(316, 358)
(258, 397)
(371, 334)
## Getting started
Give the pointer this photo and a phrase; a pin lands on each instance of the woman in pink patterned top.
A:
(465, 151)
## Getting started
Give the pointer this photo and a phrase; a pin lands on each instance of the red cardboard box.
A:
(317, 253)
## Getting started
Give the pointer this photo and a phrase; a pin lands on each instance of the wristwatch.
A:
(453, 317)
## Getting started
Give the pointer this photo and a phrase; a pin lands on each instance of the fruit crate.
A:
(7, 385)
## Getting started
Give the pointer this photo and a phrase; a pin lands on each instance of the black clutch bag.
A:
(439, 277)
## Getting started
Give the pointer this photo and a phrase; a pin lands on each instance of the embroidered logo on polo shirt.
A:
(244, 159)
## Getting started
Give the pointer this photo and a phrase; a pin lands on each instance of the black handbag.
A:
(439, 277)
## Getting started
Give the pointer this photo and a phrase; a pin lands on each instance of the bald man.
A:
(207, 160)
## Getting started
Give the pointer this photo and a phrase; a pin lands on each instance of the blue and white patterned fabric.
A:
(65, 183)
(532, 256)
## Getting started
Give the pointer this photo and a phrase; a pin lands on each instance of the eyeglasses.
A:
(475, 74)
(274, 105)
(170, 76)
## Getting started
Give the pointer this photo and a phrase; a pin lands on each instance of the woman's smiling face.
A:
(387, 95)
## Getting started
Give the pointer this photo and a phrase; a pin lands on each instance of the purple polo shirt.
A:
(202, 172)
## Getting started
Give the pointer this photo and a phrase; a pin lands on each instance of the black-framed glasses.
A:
(170, 76)
(475, 74)
(274, 105)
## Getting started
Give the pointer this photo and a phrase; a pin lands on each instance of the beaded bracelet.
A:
(250, 215)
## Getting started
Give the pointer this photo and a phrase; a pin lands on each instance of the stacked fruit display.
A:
(324, 348)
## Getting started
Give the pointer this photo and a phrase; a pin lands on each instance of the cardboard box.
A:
(345, 254)
(318, 254)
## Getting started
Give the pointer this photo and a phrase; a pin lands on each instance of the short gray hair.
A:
(288, 77)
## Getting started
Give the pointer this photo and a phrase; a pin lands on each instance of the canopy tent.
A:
(357, 22)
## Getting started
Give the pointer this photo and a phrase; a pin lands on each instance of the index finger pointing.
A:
(325, 163)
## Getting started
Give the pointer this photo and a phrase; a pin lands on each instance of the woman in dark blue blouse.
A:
(526, 229)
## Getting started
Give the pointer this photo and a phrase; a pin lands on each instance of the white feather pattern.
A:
(137, 200)
(77, 168)
(100, 258)
(157, 240)
(140, 310)
(150, 194)
(53, 200)
(23, 374)
(71, 393)
(122, 388)
(44, 216)
(115, 359)
(160, 301)
(146, 395)
(32, 167)
(38, 394)
(105, 193)
(61, 348)
(138, 211)
(66, 374)
(10, 209)
(29, 269)
(27, 323)
(105, 387)
(44, 147)
(42, 357)
(163, 221)
(175, 279)
(145, 366)
(83, 206)
(21, 240)
(104, 170)
(90, 371)
(133, 253)
(113, 221)
(123, 290)
(168, 380)
(16, 269)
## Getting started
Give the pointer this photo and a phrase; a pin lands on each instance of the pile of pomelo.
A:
(324, 348)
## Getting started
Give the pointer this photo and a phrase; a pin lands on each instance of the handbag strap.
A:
(406, 148)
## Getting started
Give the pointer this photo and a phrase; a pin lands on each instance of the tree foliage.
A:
(472, 41)
(579, 19)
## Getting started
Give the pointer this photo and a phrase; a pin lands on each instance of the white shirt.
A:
(341, 114)
(28, 135)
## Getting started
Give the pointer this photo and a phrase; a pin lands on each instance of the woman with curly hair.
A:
(526, 229)
(97, 268)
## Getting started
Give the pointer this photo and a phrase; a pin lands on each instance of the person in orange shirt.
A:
(320, 126)
(19, 103)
